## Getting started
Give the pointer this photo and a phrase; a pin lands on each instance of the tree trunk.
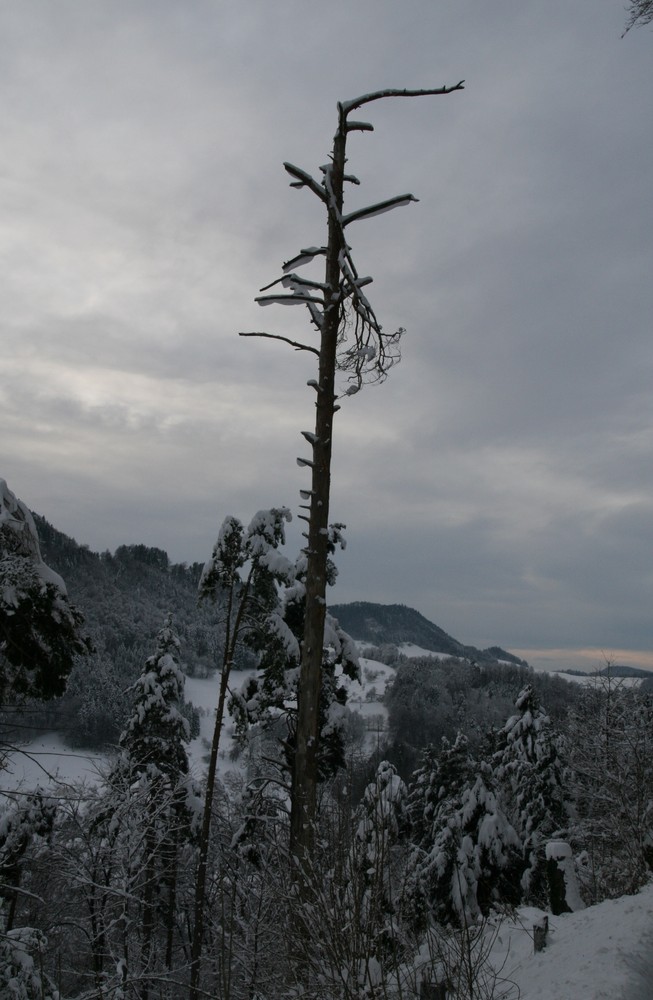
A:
(148, 911)
(304, 782)
(200, 883)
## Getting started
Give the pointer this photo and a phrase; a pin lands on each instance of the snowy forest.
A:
(425, 840)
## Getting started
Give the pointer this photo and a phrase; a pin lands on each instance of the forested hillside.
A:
(125, 598)
(493, 788)
(394, 624)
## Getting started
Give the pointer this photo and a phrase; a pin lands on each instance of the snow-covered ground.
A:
(597, 679)
(601, 952)
(46, 761)
(410, 650)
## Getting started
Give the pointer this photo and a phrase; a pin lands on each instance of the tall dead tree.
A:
(351, 341)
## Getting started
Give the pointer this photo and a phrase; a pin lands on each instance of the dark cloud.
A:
(500, 482)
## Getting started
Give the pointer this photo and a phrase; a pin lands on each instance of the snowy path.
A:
(601, 953)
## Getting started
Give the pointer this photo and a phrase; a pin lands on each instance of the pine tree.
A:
(153, 741)
(382, 823)
(435, 795)
(29, 819)
(39, 628)
(352, 341)
(531, 779)
(147, 814)
(470, 857)
(271, 695)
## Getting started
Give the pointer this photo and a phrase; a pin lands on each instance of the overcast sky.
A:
(501, 480)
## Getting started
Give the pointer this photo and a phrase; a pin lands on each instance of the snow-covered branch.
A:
(378, 95)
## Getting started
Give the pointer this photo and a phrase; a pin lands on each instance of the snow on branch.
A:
(379, 208)
(304, 179)
(294, 281)
(304, 257)
(295, 299)
(377, 95)
(359, 127)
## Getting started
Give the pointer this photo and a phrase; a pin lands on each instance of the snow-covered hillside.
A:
(601, 952)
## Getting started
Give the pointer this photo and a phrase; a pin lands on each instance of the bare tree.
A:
(352, 341)
(639, 12)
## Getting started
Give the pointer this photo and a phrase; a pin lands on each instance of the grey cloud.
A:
(499, 482)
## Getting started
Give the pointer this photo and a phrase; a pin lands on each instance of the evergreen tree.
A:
(271, 695)
(382, 825)
(153, 741)
(466, 853)
(29, 819)
(39, 628)
(530, 775)
(21, 970)
(147, 814)
(27, 822)
(435, 795)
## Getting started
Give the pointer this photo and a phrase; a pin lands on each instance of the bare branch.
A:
(378, 95)
(305, 180)
(286, 340)
(640, 12)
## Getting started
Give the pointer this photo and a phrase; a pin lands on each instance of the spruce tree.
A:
(269, 698)
(530, 774)
(147, 814)
(435, 795)
(40, 630)
(466, 853)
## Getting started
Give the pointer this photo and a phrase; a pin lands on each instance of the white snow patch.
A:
(45, 761)
(410, 650)
(596, 953)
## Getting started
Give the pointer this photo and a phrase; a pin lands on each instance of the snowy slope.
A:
(601, 952)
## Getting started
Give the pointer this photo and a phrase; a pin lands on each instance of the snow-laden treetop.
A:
(18, 535)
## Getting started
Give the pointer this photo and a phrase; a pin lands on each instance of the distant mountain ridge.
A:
(126, 595)
(380, 624)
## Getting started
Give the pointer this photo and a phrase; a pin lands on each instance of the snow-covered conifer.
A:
(21, 967)
(377, 863)
(435, 795)
(146, 814)
(271, 695)
(39, 628)
(530, 776)
(382, 816)
(246, 570)
(31, 818)
(471, 859)
(154, 738)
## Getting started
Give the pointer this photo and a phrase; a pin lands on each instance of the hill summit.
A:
(380, 624)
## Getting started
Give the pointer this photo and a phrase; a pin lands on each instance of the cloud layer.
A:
(501, 481)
